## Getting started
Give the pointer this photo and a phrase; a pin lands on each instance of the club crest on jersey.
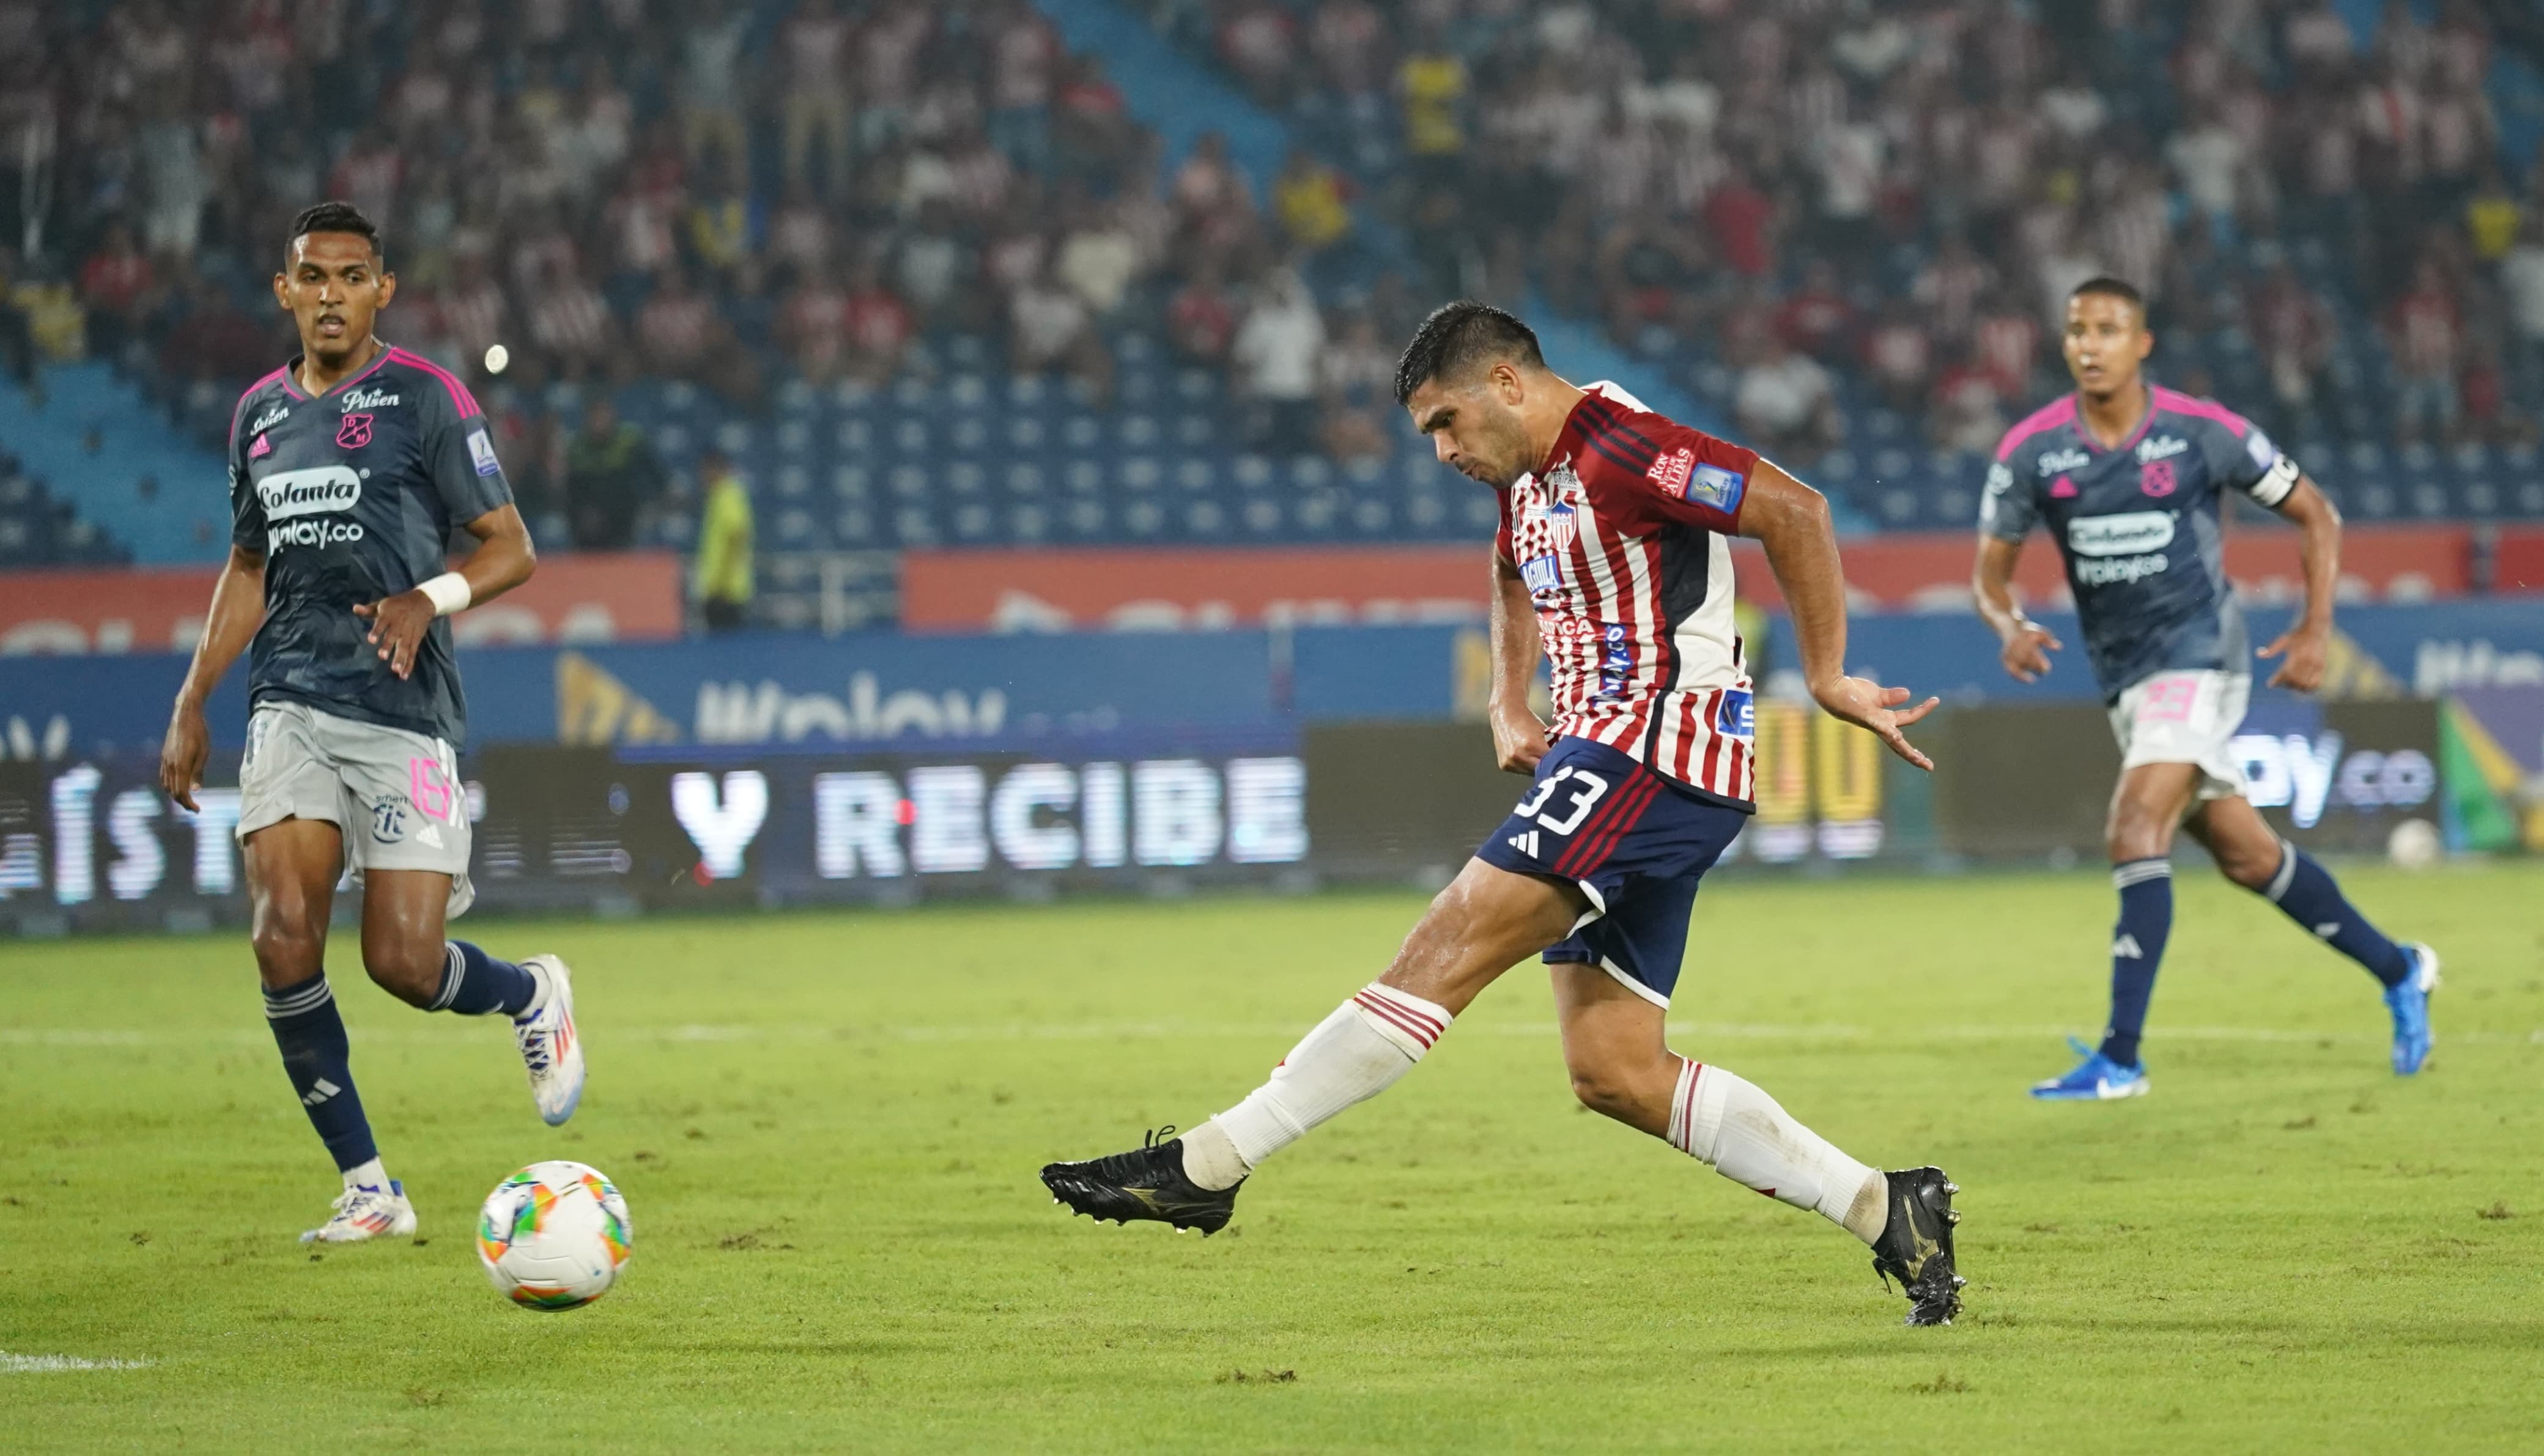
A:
(354, 433)
(2156, 477)
(1561, 525)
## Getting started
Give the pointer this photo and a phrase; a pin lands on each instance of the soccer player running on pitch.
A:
(2129, 480)
(348, 468)
(1612, 557)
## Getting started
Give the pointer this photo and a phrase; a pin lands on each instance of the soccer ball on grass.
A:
(554, 1236)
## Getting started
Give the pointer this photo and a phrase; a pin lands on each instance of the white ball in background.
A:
(2413, 845)
(497, 359)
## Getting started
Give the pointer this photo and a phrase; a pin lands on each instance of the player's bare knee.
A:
(2246, 865)
(411, 972)
(289, 949)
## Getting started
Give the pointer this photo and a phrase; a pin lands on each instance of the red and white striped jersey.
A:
(1618, 539)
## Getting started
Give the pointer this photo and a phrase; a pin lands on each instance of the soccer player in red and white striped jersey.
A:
(1612, 559)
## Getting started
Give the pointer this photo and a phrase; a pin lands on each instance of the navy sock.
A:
(474, 982)
(2137, 950)
(2310, 896)
(317, 1058)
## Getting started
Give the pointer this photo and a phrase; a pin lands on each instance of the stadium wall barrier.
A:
(1042, 692)
(1147, 589)
(89, 844)
(599, 596)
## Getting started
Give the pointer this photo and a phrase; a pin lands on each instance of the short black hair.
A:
(2111, 287)
(335, 215)
(1459, 336)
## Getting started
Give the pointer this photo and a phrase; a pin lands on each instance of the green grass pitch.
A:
(828, 1127)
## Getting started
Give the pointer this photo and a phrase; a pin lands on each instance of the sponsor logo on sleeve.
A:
(2259, 447)
(481, 453)
(1677, 473)
(2000, 479)
(1736, 715)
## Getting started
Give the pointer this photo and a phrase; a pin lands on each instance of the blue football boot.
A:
(2409, 1000)
(2099, 1079)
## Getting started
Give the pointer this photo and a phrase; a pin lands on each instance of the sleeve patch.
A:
(2265, 455)
(481, 452)
(1678, 474)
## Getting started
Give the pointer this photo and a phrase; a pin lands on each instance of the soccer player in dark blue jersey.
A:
(2129, 480)
(349, 466)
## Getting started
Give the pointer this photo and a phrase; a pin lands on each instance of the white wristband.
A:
(448, 593)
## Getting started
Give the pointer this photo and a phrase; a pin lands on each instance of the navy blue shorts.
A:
(1636, 843)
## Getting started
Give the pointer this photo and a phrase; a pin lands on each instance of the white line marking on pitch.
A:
(45, 1364)
(104, 1038)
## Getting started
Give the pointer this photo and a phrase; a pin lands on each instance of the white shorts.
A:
(2186, 717)
(394, 796)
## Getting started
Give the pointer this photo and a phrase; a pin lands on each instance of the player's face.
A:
(2105, 342)
(333, 286)
(1474, 426)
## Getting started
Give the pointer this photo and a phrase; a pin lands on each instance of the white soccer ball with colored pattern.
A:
(554, 1236)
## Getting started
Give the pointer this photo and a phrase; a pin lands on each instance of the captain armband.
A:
(2275, 482)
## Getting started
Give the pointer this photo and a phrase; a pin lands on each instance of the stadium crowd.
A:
(1822, 204)
(1821, 215)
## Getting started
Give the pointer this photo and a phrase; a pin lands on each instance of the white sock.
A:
(1740, 1132)
(367, 1176)
(1350, 1057)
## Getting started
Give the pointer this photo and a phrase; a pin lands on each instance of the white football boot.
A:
(367, 1211)
(550, 1048)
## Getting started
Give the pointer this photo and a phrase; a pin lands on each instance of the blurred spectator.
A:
(722, 575)
(1025, 55)
(1968, 414)
(678, 328)
(1816, 318)
(1786, 404)
(1899, 356)
(117, 285)
(815, 44)
(1098, 259)
(2521, 279)
(215, 340)
(1201, 319)
(813, 327)
(1049, 327)
(613, 479)
(2294, 331)
(572, 325)
(1356, 382)
(2427, 335)
(1309, 197)
(879, 326)
(711, 89)
(1275, 355)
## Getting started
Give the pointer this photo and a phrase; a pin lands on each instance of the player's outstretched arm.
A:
(1791, 520)
(2027, 643)
(501, 561)
(238, 609)
(2308, 642)
(1518, 736)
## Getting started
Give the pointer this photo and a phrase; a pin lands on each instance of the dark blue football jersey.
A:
(350, 497)
(2139, 527)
